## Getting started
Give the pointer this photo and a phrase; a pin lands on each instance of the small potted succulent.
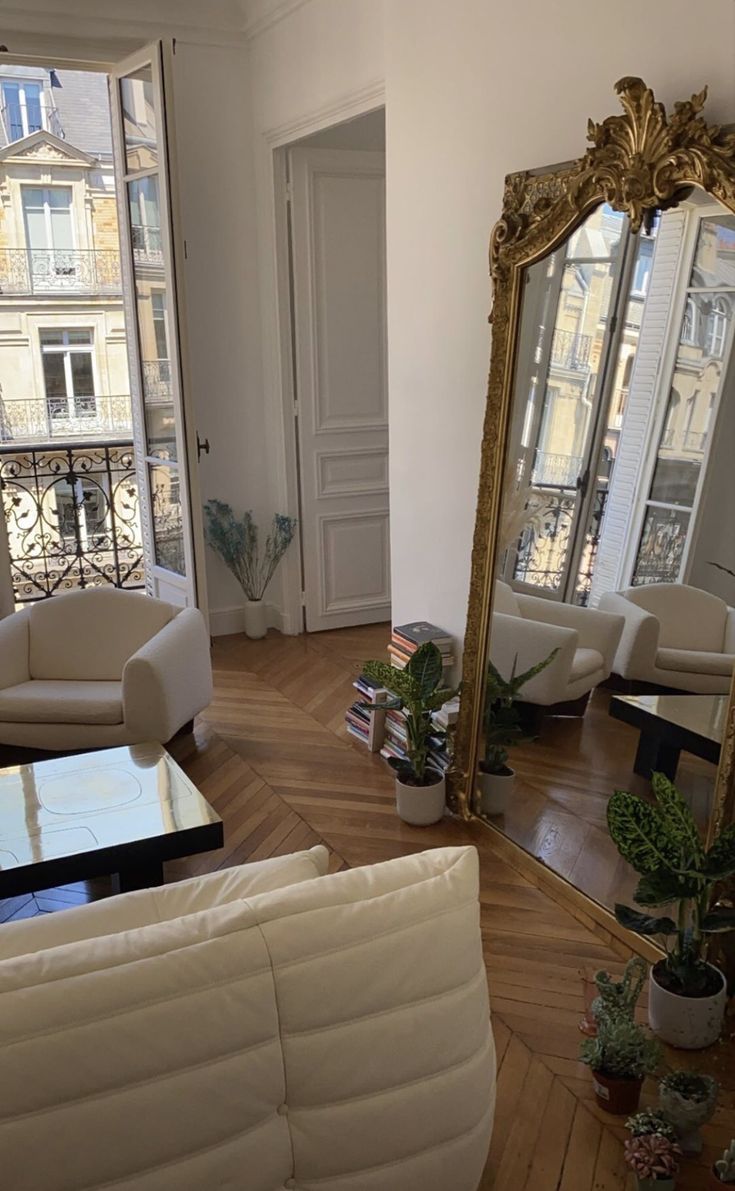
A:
(686, 994)
(236, 542)
(417, 691)
(654, 1159)
(723, 1171)
(651, 1120)
(688, 1100)
(502, 729)
(620, 1055)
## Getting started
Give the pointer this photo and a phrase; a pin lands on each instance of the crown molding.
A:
(261, 15)
(346, 107)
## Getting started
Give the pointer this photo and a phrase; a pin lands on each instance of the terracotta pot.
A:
(421, 805)
(495, 790)
(620, 1097)
(691, 1023)
(256, 624)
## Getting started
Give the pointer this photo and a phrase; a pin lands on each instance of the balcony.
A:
(147, 245)
(556, 471)
(156, 380)
(26, 421)
(50, 271)
(571, 351)
(72, 516)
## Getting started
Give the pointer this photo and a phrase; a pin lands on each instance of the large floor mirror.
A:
(603, 576)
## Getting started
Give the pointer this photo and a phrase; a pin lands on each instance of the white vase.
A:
(691, 1023)
(421, 805)
(256, 624)
(495, 790)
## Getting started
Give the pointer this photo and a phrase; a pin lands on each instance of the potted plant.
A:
(620, 1055)
(417, 691)
(651, 1120)
(654, 1159)
(502, 729)
(686, 995)
(236, 542)
(723, 1171)
(688, 1100)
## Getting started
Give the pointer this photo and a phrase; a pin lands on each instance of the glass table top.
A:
(72, 805)
(702, 714)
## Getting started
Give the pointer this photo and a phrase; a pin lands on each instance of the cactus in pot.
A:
(723, 1171)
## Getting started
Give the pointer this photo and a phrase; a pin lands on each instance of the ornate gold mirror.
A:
(605, 530)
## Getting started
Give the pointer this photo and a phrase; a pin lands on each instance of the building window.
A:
(689, 330)
(717, 328)
(68, 373)
(22, 107)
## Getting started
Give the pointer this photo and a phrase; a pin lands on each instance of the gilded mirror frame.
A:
(637, 162)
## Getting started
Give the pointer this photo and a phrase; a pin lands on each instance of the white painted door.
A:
(163, 429)
(338, 262)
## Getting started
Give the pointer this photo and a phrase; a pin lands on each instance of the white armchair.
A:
(527, 628)
(674, 636)
(99, 668)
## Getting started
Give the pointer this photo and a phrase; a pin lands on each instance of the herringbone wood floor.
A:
(272, 755)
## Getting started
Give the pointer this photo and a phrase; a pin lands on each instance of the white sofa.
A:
(674, 636)
(101, 667)
(527, 628)
(255, 1030)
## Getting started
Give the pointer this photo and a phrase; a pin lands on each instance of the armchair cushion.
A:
(586, 662)
(695, 661)
(52, 702)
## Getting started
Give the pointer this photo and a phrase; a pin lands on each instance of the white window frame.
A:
(65, 348)
(25, 187)
(23, 104)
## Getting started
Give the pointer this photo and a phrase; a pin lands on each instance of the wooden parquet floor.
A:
(272, 755)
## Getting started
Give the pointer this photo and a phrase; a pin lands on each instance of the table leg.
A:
(653, 756)
(143, 876)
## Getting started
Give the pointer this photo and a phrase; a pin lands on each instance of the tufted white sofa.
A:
(527, 628)
(101, 667)
(674, 636)
(261, 1028)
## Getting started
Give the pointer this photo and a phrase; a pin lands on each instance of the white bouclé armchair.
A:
(99, 668)
(527, 628)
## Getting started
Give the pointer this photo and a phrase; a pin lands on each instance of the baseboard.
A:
(225, 621)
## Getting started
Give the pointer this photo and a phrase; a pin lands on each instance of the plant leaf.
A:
(679, 818)
(720, 918)
(719, 861)
(425, 667)
(644, 924)
(640, 833)
(519, 680)
(664, 886)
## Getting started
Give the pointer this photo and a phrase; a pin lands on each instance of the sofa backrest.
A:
(506, 600)
(91, 634)
(333, 1033)
(689, 618)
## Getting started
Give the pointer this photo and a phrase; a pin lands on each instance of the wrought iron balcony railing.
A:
(551, 469)
(570, 350)
(157, 380)
(59, 271)
(41, 420)
(72, 518)
(147, 245)
(16, 128)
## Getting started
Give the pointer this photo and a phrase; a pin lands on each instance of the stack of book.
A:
(367, 726)
(395, 736)
(406, 639)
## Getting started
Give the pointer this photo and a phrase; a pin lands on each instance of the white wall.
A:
(473, 92)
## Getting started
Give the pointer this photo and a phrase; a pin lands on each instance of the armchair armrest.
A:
(596, 629)
(169, 679)
(524, 643)
(636, 652)
(729, 645)
(14, 649)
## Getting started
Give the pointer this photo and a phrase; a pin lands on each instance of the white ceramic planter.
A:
(495, 790)
(691, 1023)
(256, 624)
(421, 805)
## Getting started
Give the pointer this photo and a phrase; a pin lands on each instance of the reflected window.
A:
(717, 328)
(689, 330)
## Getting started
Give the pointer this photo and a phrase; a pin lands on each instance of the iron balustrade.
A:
(31, 420)
(15, 129)
(156, 380)
(571, 350)
(73, 518)
(34, 271)
(545, 542)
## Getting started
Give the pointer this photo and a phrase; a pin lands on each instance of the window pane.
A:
(662, 546)
(599, 235)
(139, 120)
(59, 205)
(84, 336)
(12, 112)
(714, 259)
(82, 375)
(33, 106)
(51, 337)
(156, 368)
(53, 374)
(145, 222)
(168, 531)
(35, 219)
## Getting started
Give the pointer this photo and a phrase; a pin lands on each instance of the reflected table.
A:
(116, 811)
(669, 724)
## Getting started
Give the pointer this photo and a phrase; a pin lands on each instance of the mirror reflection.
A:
(613, 636)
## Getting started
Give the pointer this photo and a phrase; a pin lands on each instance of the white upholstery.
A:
(675, 636)
(101, 667)
(527, 628)
(332, 1034)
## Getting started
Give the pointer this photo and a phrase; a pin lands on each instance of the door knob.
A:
(202, 446)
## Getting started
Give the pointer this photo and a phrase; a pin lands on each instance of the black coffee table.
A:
(670, 724)
(117, 811)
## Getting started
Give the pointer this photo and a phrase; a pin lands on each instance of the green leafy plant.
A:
(689, 1085)
(417, 691)
(236, 542)
(501, 717)
(653, 1156)
(662, 843)
(621, 1049)
(725, 1166)
(651, 1121)
(620, 997)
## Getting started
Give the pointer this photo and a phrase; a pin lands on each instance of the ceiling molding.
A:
(354, 103)
(261, 15)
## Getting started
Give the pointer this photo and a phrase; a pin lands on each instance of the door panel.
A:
(338, 259)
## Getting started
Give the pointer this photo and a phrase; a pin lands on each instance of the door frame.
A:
(279, 361)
